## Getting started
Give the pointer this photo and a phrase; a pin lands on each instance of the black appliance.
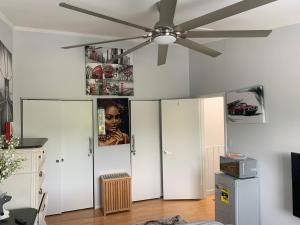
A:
(296, 183)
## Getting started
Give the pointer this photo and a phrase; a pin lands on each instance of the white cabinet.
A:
(26, 186)
(68, 125)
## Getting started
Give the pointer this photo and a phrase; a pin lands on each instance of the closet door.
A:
(182, 150)
(145, 150)
(69, 150)
(43, 119)
(77, 155)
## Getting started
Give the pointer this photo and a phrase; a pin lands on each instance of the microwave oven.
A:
(239, 168)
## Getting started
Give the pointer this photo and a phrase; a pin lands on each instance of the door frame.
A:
(206, 96)
(93, 121)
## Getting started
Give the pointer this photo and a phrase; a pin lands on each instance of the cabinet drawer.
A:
(40, 158)
(34, 159)
(40, 178)
(27, 165)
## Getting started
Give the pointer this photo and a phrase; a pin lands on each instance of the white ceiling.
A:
(46, 14)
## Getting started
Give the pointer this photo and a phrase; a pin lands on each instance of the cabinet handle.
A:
(62, 160)
(44, 208)
(57, 161)
(41, 191)
(41, 173)
(133, 151)
(40, 156)
(91, 147)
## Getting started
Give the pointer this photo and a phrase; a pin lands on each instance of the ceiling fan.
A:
(165, 32)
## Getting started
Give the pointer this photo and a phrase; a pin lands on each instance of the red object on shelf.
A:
(8, 130)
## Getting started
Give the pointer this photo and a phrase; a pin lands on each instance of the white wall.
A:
(274, 63)
(43, 70)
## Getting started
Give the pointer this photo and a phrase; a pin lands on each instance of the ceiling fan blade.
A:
(130, 50)
(226, 33)
(162, 54)
(103, 42)
(68, 6)
(222, 13)
(198, 47)
(166, 12)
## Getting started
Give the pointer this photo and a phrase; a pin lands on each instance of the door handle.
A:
(132, 150)
(90, 147)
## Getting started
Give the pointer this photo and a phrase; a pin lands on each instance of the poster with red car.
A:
(246, 105)
(107, 77)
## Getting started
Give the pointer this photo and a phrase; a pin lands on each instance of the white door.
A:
(77, 155)
(181, 146)
(145, 147)
(42, 119)
(69, 163)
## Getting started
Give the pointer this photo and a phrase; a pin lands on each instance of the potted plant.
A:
(9, 164)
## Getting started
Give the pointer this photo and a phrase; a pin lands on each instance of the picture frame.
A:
(105, 77)
(113, 121)
(246, 105)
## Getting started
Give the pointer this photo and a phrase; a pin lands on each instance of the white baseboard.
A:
(210, 192)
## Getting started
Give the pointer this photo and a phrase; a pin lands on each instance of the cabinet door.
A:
(145, 146)
(43, 119)
(77, 165)
(69, 163)
(182, 149)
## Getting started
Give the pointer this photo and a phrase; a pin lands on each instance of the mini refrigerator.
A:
(237, 200)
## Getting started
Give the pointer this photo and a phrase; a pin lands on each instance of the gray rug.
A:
(176, 220)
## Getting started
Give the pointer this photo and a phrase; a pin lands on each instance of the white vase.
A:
(4, 213)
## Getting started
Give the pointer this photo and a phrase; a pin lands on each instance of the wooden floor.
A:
(190, 210)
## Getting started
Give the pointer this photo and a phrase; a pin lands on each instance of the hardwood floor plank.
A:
(190, 210)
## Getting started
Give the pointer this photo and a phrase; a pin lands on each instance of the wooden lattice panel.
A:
(115, 192)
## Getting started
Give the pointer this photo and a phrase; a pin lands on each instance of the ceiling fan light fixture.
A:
(165, 39)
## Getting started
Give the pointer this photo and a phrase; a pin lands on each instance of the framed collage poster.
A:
(246, 105)
(113, 121)
(108, 78)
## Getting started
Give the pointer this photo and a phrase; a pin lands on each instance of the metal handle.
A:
(90, 147)
(62, 160)
(57, 161)
(41, 191)
(133, 151)
(41, 174)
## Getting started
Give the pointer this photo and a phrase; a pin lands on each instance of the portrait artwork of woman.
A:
(113, 122)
